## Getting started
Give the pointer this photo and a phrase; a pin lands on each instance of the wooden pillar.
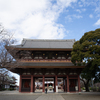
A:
(56, 80)
(43, 84)
(67, 83)
(56, 83)
(20, 83)
(79, 88)
(63, 85)
(47, 85)
(31, 83)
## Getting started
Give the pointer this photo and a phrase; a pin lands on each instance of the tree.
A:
(6, 78)
(6, 39)
(3, 77)
(86, 51)
(97, 77)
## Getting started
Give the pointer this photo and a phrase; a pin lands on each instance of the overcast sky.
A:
(50, 19)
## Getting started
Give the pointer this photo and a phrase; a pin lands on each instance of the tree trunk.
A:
(86, 84)
(86, 87)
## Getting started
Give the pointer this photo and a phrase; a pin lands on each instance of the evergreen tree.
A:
(86, 51)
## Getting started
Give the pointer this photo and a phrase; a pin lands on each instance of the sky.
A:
(49, 19)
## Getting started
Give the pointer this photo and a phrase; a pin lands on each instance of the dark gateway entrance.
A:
(45, 64)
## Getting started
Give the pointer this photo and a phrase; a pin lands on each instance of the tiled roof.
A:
(46, 44)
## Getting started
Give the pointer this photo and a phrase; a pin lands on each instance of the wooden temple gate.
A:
(45, 59)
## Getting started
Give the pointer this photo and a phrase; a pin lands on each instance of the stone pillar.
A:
(79, 88)
(20, 83)
(31, 83)
(67, 83)
(56, 84)
(43, 84)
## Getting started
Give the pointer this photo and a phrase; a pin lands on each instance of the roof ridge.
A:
(24, 39)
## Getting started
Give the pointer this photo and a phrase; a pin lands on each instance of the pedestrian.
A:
(46, 90)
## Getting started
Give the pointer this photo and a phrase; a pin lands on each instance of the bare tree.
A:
(6, 39)
(6, 59)
(6, 79)
(4, 74)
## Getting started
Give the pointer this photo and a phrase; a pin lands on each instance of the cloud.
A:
(33, 18)
(77, 10)
(77, 16)
(80, 4)
(80, 10)
(74, 16)
(91, 16)
(83, 9)
(97, 4)
(98, 22)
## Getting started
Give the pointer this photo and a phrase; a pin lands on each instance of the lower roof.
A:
(45, 65)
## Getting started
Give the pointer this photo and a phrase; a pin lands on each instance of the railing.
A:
(45, 60)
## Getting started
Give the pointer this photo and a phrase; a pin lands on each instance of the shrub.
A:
(10, 89)
(83, 88)
(94, 89)
(3, 89)
(90, 88)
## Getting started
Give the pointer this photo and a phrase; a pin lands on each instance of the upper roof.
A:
(46, 44)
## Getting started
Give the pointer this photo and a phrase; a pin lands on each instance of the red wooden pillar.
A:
(79, 88)
(31, 83)
(67, 83)
(47, 85)
(56, 83)
(63, 85)
(56, 80)
(43, 83)
(20, 83)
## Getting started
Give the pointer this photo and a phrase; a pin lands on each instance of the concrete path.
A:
(50, 97)
(15, 95)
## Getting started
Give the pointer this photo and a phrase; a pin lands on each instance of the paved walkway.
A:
(15, 95)
(19, 93)
(81, 96)
(50, 97)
